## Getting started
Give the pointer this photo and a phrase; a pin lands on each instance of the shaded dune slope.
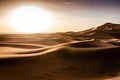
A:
(21, 45)
(93, 54)
(77, 60)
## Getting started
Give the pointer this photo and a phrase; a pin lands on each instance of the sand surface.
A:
(76, 60)
(93, 54)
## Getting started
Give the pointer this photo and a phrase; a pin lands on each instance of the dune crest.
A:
(88, 55)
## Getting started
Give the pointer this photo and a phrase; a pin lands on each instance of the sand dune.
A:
(88, 55)
(77, 60)
(21, 45)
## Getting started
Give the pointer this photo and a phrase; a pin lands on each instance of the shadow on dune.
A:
(80, 60)
(88, 55)
(21, 45)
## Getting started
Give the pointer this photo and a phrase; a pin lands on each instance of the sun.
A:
(30, 19)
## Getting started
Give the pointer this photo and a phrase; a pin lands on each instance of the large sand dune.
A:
(68, 58)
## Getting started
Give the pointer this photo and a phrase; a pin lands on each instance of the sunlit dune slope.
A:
(88, 55)
(65, 61)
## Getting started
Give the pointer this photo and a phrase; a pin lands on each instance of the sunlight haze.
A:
(67, 15)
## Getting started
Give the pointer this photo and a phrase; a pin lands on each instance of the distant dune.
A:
(93, 54)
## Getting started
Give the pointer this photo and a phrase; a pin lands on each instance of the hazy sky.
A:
(70, 15)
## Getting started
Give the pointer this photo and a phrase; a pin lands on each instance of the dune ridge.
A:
(89, 55)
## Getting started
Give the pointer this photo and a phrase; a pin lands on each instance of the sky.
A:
(70, 15)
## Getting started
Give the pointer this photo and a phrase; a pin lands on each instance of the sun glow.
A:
(30, 19)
